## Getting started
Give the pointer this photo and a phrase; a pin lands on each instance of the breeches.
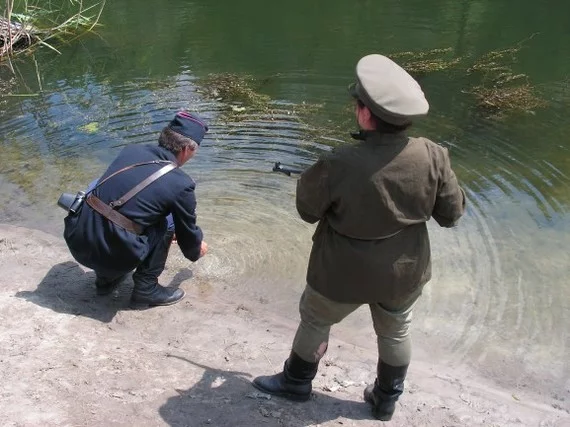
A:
(319, 313)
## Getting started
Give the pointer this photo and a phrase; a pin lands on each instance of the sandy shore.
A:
(69, 358)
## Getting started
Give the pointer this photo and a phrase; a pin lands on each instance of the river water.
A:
(499, 300)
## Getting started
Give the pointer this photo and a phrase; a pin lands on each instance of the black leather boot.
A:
(294, 383)
(105, 285)
(386, 390)
(158, 295)
(147, 292)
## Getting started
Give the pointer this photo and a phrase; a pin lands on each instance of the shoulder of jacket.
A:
(182, 180)
(434, 148)
(339, 153)
(131, 148)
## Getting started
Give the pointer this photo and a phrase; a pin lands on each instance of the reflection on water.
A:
(499, 295)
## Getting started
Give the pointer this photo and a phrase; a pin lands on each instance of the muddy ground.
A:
(70, 358)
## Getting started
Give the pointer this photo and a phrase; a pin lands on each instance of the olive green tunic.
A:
(372, 200)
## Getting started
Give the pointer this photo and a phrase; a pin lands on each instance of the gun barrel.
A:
(278, 167)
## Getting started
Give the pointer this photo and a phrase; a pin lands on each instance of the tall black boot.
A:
(386, 390)
(294, 383)
(147, 292)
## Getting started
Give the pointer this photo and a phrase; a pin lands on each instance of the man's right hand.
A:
(203, 249)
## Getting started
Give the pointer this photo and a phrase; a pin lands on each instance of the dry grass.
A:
(36, 24)
(14, 36)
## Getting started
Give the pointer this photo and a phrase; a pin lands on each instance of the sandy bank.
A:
(71, 358)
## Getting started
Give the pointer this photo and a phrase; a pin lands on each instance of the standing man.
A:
(371, 200)
(129, 216)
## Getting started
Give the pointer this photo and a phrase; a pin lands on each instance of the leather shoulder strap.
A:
(126, 168)
(126, 197)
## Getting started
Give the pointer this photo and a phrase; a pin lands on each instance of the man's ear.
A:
(366, 113)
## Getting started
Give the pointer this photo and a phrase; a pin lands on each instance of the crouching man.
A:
(131, 213)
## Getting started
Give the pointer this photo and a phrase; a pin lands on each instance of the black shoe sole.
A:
(285, 395)
(144, 305)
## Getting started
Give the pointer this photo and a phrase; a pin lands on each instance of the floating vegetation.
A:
(32, 23)
(92, 127)
(244, 100)
(498, 91)
(237, 91)
(498, 99)
(426, 62)
(501, 89)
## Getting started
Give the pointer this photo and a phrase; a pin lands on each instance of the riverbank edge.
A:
(70, 358)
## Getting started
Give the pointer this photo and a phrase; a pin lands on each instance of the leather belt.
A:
(112, 215)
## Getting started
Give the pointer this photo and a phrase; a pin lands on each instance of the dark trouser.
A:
(147, 272)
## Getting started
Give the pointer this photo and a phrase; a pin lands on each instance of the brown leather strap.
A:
(126, 168)
(108, 211)
(112, 215)
(120, 202)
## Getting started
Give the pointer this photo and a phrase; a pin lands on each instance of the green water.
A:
(499, 299)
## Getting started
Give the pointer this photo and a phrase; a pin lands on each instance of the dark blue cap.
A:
(189, 125)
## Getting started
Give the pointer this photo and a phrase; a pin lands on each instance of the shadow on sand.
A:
(226, 398)
(68, 289)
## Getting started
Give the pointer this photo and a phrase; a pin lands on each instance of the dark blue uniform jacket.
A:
(97, 243)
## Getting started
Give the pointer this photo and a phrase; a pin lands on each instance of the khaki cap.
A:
(388, 90)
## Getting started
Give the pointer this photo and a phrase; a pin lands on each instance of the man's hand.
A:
(203, 249)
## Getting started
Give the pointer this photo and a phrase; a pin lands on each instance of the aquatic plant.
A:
(27, 167)
(243, 98)
(92, 127)
(498, 99)
(238, 91)
(6, 85)
(419, 63)
(501, 89)
(498, 90)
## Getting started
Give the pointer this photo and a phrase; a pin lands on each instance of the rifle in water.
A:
(278, 167)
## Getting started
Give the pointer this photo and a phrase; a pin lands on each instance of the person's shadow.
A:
(66, 288)
(181, 276)
(227, 398)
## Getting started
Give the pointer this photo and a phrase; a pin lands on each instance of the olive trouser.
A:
(319, 313)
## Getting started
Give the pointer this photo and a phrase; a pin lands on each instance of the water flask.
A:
(70, 202)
